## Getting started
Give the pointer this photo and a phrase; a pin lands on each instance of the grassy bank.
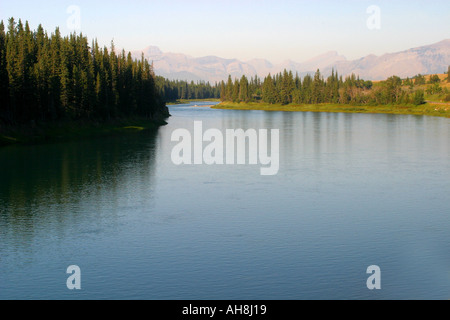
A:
(75, 130)
(186, 101)
(428, 109)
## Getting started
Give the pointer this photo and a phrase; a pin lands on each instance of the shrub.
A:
(434, 79)
(419, 97)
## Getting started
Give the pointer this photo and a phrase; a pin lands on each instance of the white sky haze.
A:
(246, 29)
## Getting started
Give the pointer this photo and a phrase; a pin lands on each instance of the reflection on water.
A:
(353, 190)
(52, 193)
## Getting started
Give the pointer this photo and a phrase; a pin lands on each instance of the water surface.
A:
(353, 190)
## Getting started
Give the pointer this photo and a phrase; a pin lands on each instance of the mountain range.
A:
(429, 59)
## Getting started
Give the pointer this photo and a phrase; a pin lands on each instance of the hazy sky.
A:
(246, 29)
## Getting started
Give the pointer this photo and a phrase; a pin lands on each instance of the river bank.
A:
(428, 109)
(74, 130)
(186, 101)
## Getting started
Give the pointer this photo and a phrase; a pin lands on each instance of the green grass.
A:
(5, 140)
(438, 97)
(131, 128)
(185, 101)
(67, 131)
(427, 109)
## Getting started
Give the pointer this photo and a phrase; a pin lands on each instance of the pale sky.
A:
(276, 30)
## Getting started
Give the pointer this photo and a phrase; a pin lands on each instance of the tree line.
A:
(172, 90)
(285, 88)
(49, 78)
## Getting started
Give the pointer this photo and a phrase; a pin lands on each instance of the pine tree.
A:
(55, 106)
(243, 87)
(236, 88)
(65, 78)
(307, 89)
(229, 96)
(4, 81)
(298, 81)
(42, 74)
(317, 88)
(52, 78)
(268, 90)
(29, 108)
(223, 93)
(286, 87)
(13, 81)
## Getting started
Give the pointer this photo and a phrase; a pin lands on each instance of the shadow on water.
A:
(55, 186)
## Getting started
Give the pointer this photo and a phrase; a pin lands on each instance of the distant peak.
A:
(329, 55)
(152, 51)
(445, 41)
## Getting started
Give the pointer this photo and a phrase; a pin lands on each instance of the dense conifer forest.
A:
(173, 90)
(285, 88)
(49, 78)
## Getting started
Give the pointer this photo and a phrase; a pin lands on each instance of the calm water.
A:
(353, 190)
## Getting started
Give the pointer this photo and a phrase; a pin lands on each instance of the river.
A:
(352, 191)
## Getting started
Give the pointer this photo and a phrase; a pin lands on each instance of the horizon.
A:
(246, 30)
(139, 51)
(302, 61)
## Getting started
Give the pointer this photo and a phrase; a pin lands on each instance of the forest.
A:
(285, 88)
(173, 90)
(49, 78)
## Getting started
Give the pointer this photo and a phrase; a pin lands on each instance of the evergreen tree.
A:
(317, 88)
(223, 92)
(4, 81)
(229, 96)
(268, 90)
(243, 87)
(172, 90)
(298, 81)
(287, 86)
(236, 89)
(53, 78)
(42, 72)
(448, 75)
(306, 95)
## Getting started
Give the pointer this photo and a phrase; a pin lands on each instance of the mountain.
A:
(211, 68)
(261, 66)
(322, 61)
(429, 59)
(184, 67)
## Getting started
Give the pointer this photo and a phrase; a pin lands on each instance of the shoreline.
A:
(205, 106)
(428, 109)
(187, 101)
(75, 130)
